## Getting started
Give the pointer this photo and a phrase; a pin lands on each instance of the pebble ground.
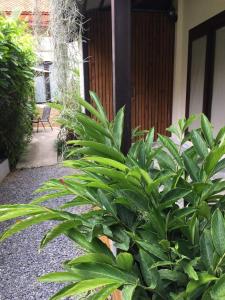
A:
(20, 261)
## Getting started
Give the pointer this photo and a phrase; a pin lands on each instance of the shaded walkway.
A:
(41, 151)
(20, 262)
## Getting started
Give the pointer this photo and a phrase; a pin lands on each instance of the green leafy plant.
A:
(16, 87)
(162, 205)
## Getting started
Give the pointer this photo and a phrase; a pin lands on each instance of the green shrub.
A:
(162, 205)
(16, 87)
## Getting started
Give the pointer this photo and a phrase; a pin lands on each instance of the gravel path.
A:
(20, 262)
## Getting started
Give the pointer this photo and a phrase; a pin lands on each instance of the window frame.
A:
(208, 29)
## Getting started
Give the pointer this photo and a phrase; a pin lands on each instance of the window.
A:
(206, 70)
(42, 83)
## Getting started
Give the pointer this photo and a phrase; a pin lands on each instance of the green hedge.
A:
(16, 87)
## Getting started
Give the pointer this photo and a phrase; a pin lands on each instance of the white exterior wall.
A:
(190, 14)
(45, 51)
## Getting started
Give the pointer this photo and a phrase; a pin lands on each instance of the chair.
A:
(44, 118)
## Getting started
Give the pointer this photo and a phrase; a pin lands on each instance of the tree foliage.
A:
(16, 87)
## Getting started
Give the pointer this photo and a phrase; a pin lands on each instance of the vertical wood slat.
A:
(152, 66)
(100, 58)
(153, 42)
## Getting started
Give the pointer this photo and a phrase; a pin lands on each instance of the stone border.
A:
(4, 169)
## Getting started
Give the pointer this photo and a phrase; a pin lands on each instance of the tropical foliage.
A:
(162, 205)
(16, 87)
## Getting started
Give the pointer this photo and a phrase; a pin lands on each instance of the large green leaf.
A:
(165, 161)
(95, 270)
(98, 104)
(105, 292)
(219, 167)
(199, 144)
(102, 149)
(92, 110)
(8, 212)
(172, 147)
(107, 162)
(83, 286)
(162, 264)
(91, 124)
(207, 130)
(213, 189)
(95, 246)
(58, 230)
(220, 136)
(173, 196)
(60, 277)
(188, 122)
(150, 276)
(149, 140)
(128, 292)
(120, 237)
(212, 160)
(76, 202)
(125, 261)
(118, 127)
(172, 275)
(175, 130)
(190, 271)
(218, 290)
(23, 224)
(204, 278)
(153, 249)
(48, 197)
(191, 167)
(92, 257)
(207, 249)
(218, 232)
(107, 203)
(184, 212)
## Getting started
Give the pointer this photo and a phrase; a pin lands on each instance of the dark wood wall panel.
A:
(100, 58)
(152, 66)
(152, 70)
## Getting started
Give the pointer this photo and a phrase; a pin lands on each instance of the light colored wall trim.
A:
(179, 80)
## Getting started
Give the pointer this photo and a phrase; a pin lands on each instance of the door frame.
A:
(208, 29)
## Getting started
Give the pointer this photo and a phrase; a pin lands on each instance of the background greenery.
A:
(16, 87)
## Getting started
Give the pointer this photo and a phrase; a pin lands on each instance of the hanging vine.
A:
(65, 27)
(64, 32)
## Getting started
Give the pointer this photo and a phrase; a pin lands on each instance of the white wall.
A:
(190, 14)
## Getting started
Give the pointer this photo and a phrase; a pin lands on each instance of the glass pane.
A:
(40, 95)
(218, 99)
(197, 76)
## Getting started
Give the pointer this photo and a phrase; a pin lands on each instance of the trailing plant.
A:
(16, 87)
(162, 205)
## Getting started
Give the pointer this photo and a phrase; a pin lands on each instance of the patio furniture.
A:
(44, 118)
